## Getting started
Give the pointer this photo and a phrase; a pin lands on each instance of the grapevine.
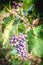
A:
(21, 32)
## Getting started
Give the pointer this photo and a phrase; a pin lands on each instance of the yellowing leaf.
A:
(7, 30)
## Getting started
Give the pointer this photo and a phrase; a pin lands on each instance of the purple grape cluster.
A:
(20, 44)
(16, 5)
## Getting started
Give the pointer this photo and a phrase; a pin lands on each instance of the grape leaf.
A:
(27, 3)
(31, 40)
(38, 47)
(15, 61)
(13, 30)
(39, 31)
(6, 32)
(21, 28)
(26, 63)
(35, 41)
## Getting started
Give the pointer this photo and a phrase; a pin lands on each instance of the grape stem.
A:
(15, 13)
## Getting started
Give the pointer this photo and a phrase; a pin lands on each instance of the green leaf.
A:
(39, 31)
(26, 63)
(21, 28)
(27, 3)
(7, 19)
(13, 30)
(35, 41)
(7, 30)
(31, 40)
(15, 61)
(38, 47)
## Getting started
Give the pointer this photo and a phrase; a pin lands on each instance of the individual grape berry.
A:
(25, 35)
(20, 4)
(11, 40)
(21, 44)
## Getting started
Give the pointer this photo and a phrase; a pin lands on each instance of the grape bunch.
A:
(20, 44)
(16, 4)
